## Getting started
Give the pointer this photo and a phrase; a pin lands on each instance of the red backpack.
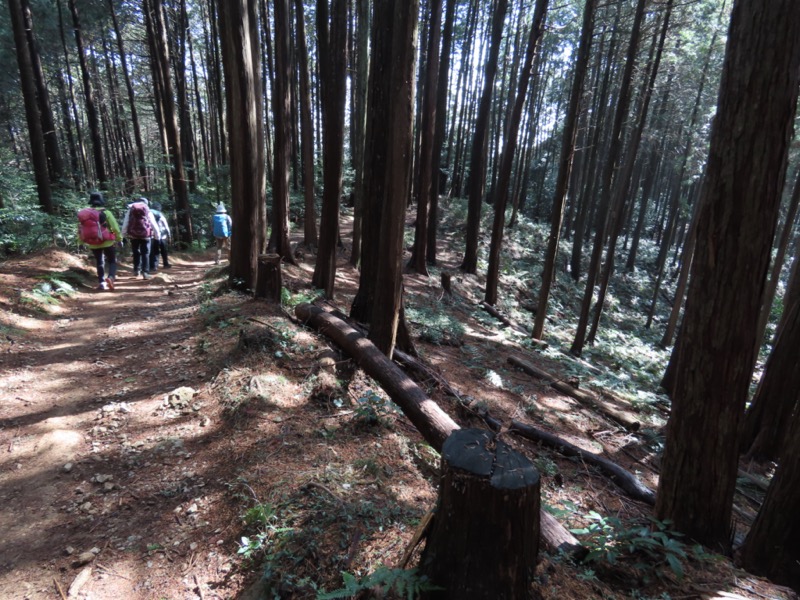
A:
(92, 227)
(138, 224)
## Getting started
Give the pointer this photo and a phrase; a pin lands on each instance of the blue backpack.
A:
(221, 227)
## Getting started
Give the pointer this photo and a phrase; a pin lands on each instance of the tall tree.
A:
(740, 201)
(51, 145)
(88, 97)
(281, 107)
(241, 58)
(477, 177)
(568, 139)
(427, 131)
(306, 130)
(769, 416)
(387, 316)
(137, 131)
(160, 64)
(333, 72)
(360, 84)
(500, 198)
(607, 182)
(38, 154)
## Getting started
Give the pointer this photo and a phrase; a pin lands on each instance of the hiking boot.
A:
(167, 267)
(145, 275)
(102, 285)
(110, 282)
(136, 273)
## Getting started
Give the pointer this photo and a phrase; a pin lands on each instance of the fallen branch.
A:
(509, 323)
(431, 421)
(626, 480)
(586, 398)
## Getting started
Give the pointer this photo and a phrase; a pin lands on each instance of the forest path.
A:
(82, 418)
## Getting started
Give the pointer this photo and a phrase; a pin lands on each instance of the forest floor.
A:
(173, 439)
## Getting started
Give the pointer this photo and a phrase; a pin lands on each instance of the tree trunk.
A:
(307, 132)
(504, 177)
(488, 508)
(38, 153)
(772, 547)
(477, 177)
(281, 102)
(54, 162)
(740, 200)
(270, 280)
(611, 166)
(565, 165)
(387, 314)
(241, 57)
(419, 252)
(157, 35)
(776, 399)
(361, 84)
(333, 72)
(88, 96)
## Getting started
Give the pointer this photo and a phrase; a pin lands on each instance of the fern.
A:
(406, 583)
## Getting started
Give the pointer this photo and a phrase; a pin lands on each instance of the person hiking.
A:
(162, 238)
(139, 226)
(221, 226)
(99, 231)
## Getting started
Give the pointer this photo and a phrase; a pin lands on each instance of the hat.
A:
(145, 200)
(221, 208)
(156, 204)
(96, 199)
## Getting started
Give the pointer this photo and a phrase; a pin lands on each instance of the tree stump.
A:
(269, 282)
(484, 541)
(446, 285)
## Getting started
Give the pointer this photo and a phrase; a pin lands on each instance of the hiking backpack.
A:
(221, 227)
(139, 225)
(161, 222)
(92, 227)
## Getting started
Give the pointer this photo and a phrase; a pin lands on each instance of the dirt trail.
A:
(83, 421)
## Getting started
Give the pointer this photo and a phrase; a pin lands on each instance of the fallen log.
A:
(433, 423)
(586, 398)
(626, 480)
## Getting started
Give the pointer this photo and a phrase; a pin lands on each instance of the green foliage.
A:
(407, 584)
(263, 519)
(646, 548)
(372, 409)
(436, 326)
(291, 300)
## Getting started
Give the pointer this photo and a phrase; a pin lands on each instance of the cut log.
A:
(626, 480)
(484, 539)
(431, 421)
(269, 278)
(446, 285)
(586, 398)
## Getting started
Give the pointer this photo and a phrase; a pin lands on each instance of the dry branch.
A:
(626, 480)
(586, 398)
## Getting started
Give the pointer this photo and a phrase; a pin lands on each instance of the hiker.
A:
(221, 226)
(140, 227)
(161, 239)
(99, 230)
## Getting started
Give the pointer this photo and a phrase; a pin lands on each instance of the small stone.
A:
(86, 506)
(84, 558)
(193, 546)
(192, 509)
(67, 467)
(69, 550)
(220, 542)
(108, 486)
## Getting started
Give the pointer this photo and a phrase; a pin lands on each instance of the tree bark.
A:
(740, 200)
(565, 165)
(477, 177)
(270, 280)
(500, 197)
(241, 58)
(281, 102)
(38, 153)
(333, 71)
(488, 508)
(307, 132)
